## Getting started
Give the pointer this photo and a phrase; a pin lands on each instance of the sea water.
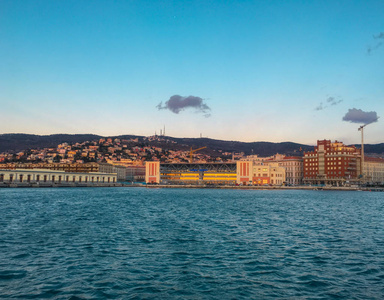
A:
(141, 243)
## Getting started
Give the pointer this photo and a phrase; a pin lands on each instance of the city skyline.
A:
(267, 71)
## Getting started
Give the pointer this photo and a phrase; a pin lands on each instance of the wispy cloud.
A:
(332, 101)
(379, 41)
(320, 106)
(177, 103)
(355, 115)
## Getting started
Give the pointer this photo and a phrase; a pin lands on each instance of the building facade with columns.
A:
(35, 176)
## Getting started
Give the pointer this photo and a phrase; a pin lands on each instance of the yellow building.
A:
(195, 173)
(241, 172)
(268, 174)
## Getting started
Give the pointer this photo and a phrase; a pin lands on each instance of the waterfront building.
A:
(124, 173)
(152, 172)
(269, 174)
(121, 172)
(231, 173)
(244, 172)
(42, 176)
(190, 173)
(373, 170)
(67, 167)
(332, 163)
(105, 168)
(135, 173)
(293, 167)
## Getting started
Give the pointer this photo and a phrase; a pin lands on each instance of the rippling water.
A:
(138, 243)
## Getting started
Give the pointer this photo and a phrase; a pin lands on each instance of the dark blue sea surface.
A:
(139, 243)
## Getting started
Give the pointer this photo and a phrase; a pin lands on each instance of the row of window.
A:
(315, 173)
(58, 179)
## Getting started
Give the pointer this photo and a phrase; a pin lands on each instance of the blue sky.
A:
(268, 70)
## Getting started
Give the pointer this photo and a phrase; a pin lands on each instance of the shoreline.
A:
(189, 186)
(57, 185)
(231, 187)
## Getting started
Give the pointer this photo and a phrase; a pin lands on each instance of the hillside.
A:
(19, 142)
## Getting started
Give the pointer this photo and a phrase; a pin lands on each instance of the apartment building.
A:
(268, 174)
(332, 163)
(293, 166)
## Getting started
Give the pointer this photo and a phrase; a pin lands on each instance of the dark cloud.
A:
(355, 115)
(330, 101)
(379, 42)
(178, 103)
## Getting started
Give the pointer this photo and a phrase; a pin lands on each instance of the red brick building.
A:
(332, 163)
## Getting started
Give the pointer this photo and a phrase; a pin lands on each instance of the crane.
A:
(193, 151)
(361, 128)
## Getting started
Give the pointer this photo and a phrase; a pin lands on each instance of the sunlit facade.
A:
(332, 163)
(240, 172)
(293, 166)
